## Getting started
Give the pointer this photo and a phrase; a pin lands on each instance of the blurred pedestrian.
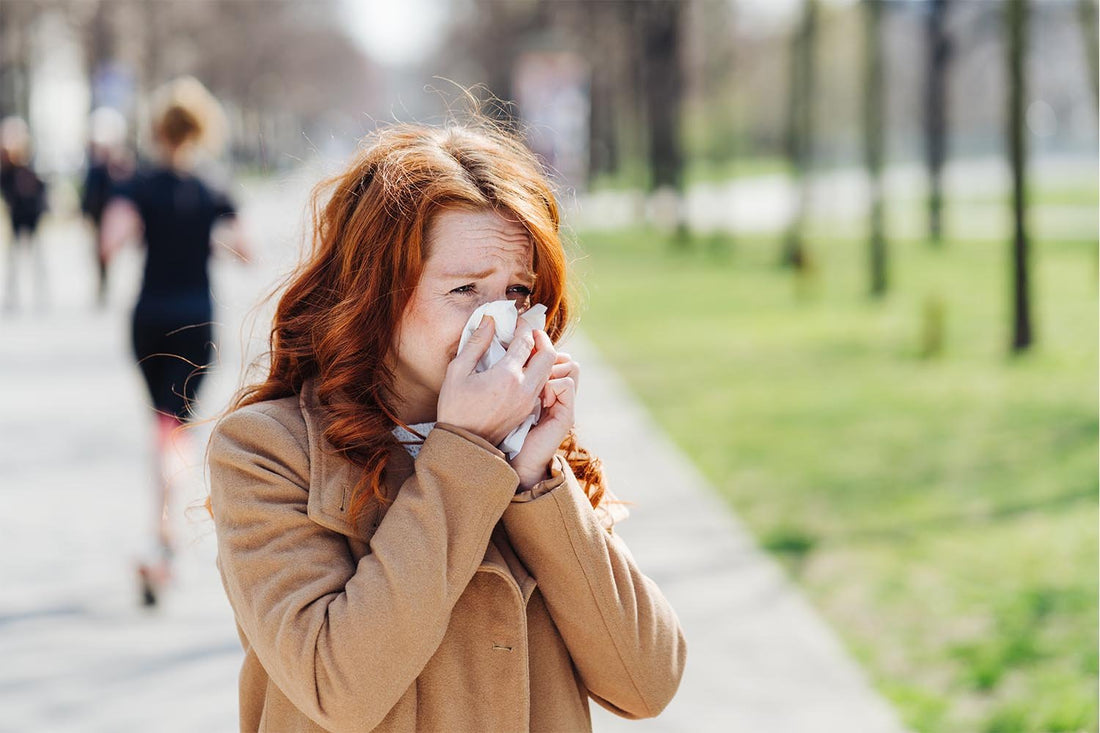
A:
(175, 213)
(24, 193)
(109, 164)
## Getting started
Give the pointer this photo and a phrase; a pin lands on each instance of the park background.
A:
(844, 253)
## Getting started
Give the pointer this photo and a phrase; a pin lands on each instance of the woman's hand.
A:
(559, 396)
(492, 403)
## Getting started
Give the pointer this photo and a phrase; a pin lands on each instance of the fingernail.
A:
(485, 321)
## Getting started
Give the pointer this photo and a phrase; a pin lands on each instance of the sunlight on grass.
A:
(941, 511)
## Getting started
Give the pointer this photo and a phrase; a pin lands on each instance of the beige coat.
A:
(460, 606)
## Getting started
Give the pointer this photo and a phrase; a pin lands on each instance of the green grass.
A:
(940, 511)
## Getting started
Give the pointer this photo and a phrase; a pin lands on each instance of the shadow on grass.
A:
(795, 543)
(910, 530)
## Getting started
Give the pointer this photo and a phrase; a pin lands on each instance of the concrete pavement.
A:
(79, 655)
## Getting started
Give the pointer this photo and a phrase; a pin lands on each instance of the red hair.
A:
(336, 320)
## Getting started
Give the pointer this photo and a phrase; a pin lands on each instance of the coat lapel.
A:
(332, 479)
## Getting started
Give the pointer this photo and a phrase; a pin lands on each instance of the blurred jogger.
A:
(174, 212)
(109, 163)
(24, 194)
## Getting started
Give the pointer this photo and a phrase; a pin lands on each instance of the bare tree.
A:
(17, 20)
(1016, 26)
(935, 112)
(662, 28)
(612, 58)
(297, 69)
(499, 32)
(873, 138)
(615, 57)
(800, 128)
(1086, 12)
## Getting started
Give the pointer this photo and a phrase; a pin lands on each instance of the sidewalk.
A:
(79, 655)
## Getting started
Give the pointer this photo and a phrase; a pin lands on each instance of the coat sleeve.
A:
(343, 641)
(623, 636)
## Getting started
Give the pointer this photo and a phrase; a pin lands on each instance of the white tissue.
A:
(505, 316)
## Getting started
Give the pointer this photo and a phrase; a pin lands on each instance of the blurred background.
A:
(843, 252)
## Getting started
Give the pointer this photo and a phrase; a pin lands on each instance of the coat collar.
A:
(332, 477)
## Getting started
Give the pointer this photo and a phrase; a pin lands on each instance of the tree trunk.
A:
(873, 139)
(637, 122)
(154, 22)
(1016, 21)
(800, 126)
(18, 23)
(99, 46)
(935, 113)
(663, 92)
(1086, 10)
(606, 47)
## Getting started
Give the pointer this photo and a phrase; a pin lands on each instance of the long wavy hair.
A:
(336, 320)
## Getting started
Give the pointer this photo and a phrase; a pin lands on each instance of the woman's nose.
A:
(521, 300)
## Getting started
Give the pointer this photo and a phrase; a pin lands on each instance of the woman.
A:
(175, 212)
(24, 194)
(455, 590)
(109, 164)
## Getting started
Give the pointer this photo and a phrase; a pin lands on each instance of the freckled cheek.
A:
(441, 331)
(441, 328)
(453, 333)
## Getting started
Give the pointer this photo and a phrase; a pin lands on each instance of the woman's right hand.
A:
(492, 403)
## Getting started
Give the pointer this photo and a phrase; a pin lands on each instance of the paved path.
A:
(78, 655)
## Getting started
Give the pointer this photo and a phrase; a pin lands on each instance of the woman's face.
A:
(473, 257)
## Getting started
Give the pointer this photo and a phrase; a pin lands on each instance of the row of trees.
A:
(634, 55)
(939, 48)
(667, 79)
(281, 67)
(640, 56)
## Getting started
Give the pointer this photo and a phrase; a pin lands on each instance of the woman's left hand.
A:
(559, 396)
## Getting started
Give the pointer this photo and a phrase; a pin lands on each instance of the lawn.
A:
(940, 511)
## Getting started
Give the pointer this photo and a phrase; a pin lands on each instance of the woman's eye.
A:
(514, 290)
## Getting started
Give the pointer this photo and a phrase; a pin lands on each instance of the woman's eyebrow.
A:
(527, 275)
